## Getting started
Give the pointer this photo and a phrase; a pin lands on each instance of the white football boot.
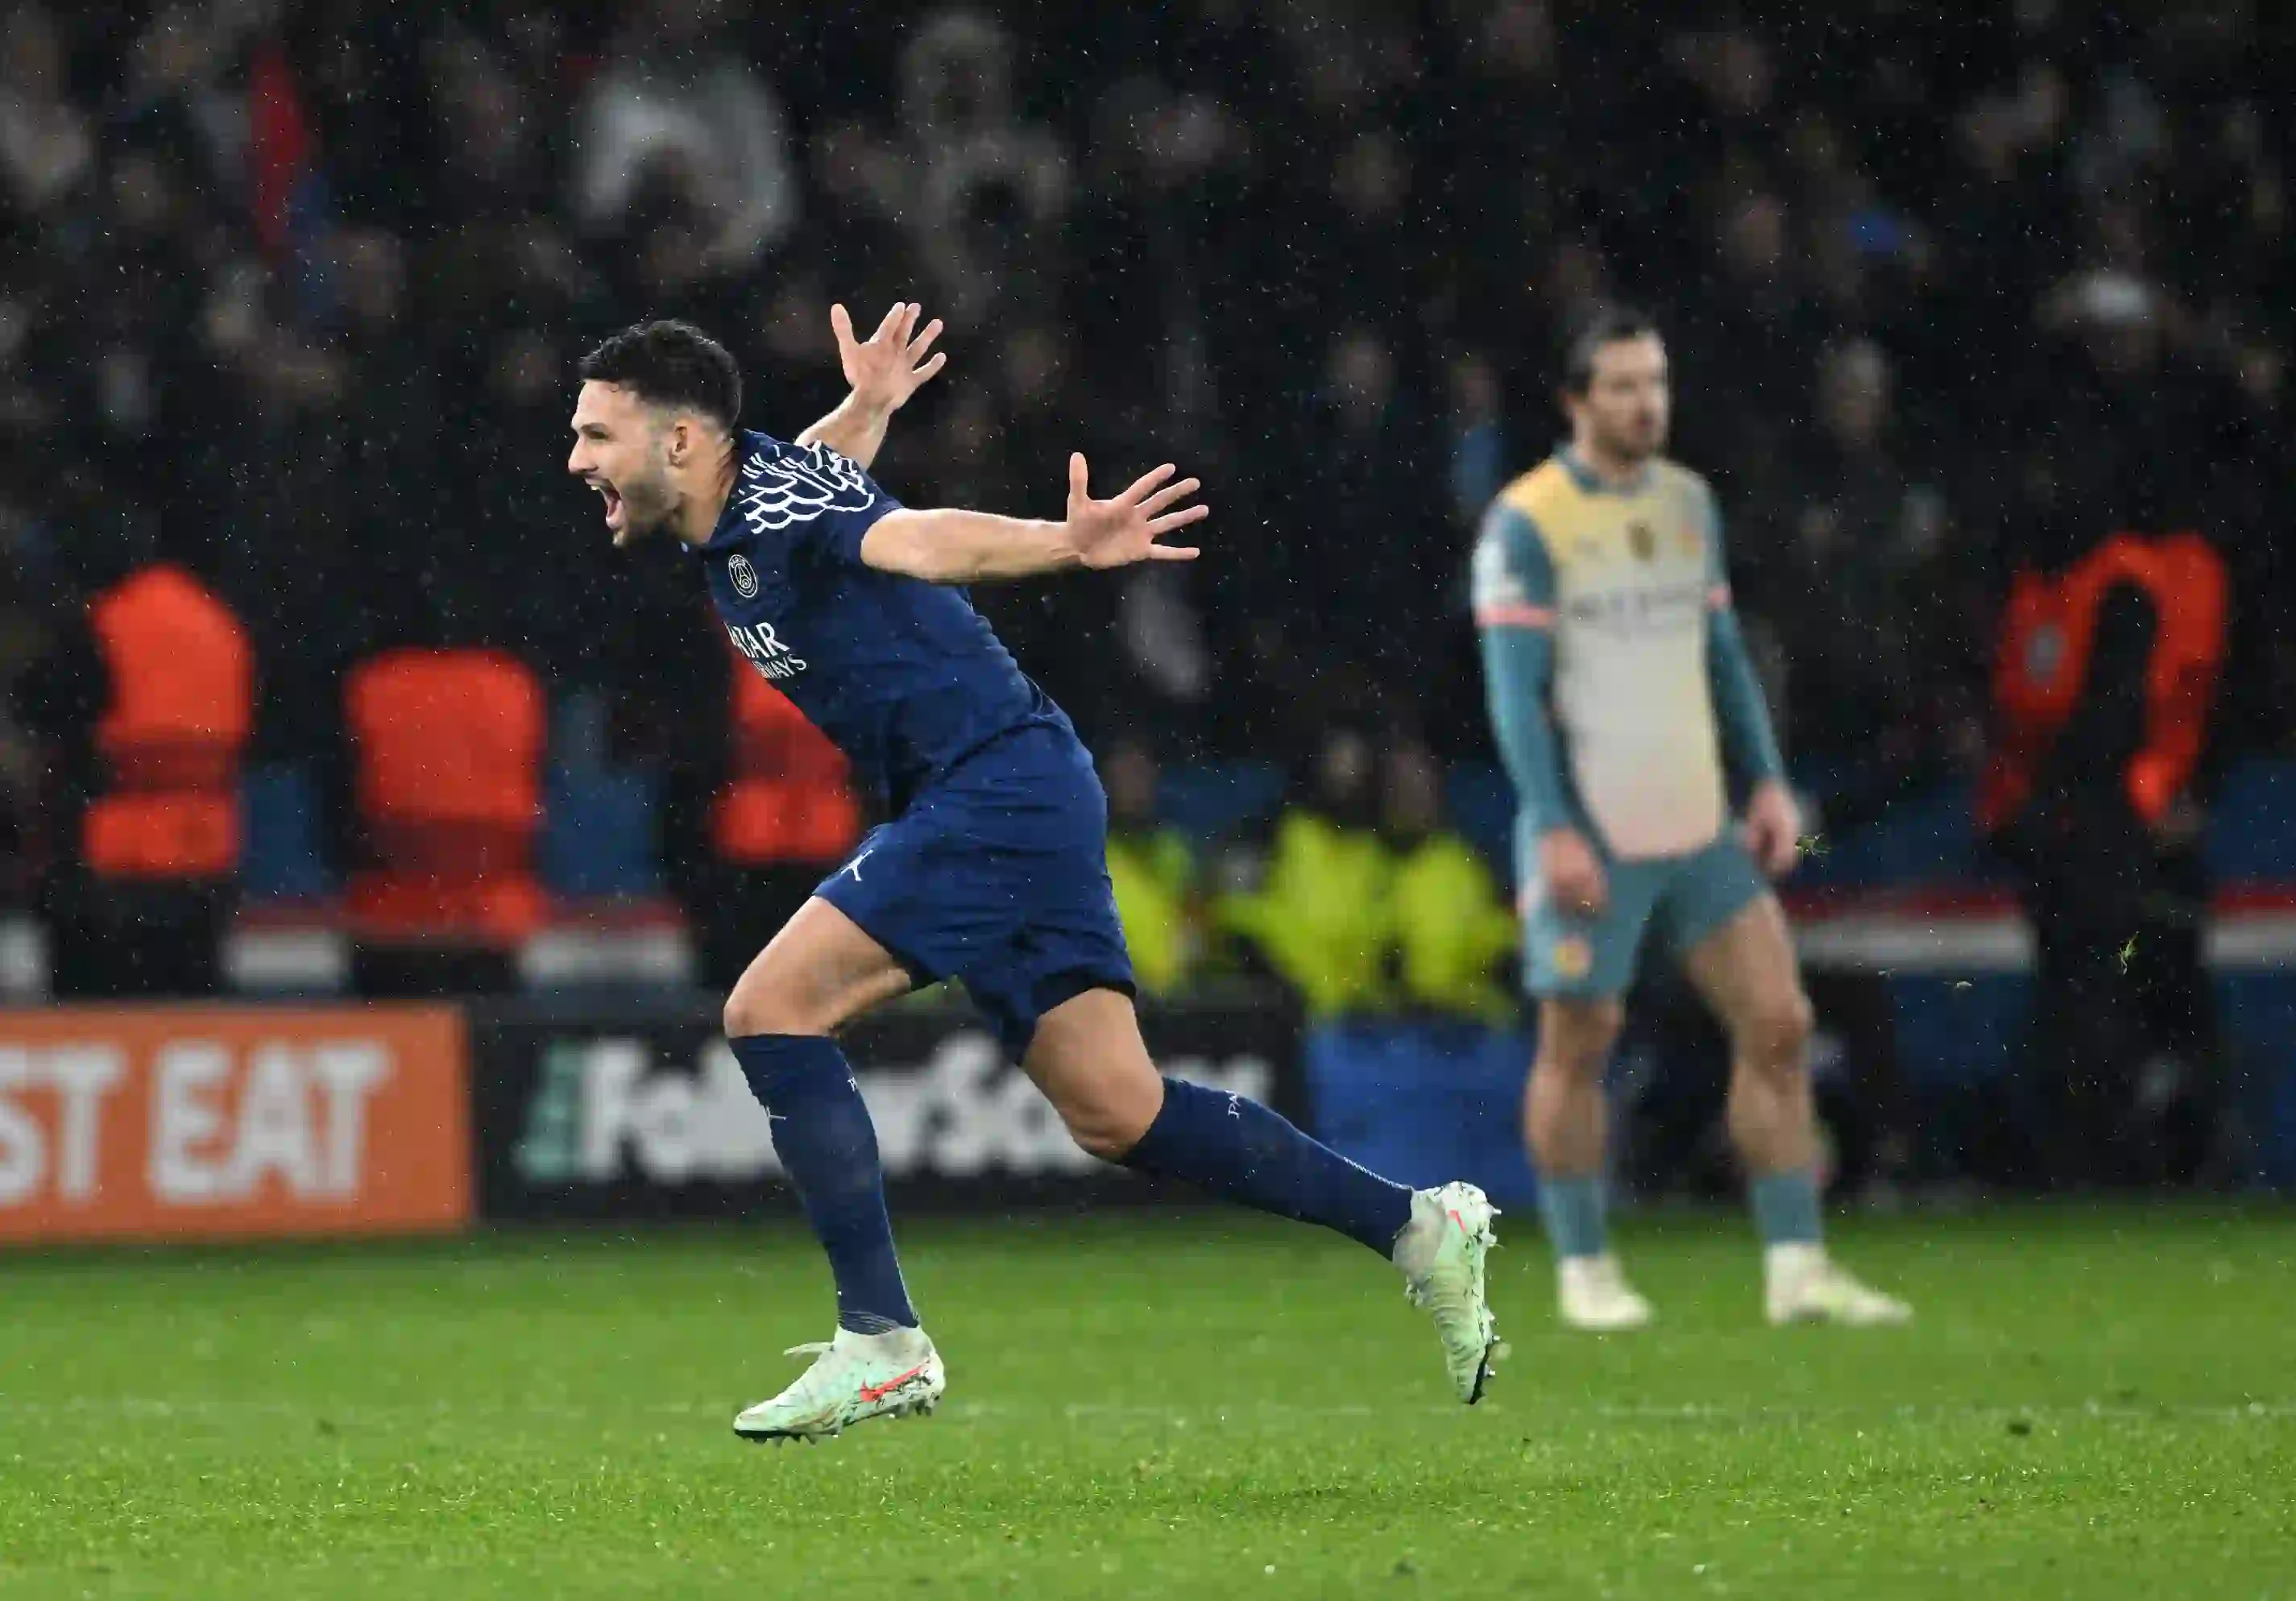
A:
(1803, 1285)
(1441, 1252)
(1592, 1294)
(854, 1377)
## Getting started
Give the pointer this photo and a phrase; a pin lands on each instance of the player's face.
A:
(1624, 410)
(621, 450)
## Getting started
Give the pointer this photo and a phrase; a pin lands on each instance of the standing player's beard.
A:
(1637, 445)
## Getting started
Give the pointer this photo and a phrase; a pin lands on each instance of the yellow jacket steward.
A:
(1152, 873)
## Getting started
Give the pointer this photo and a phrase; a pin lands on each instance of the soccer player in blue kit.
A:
(993, 868)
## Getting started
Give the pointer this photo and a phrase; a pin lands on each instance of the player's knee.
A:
(1575, 1041)
(757, 1006)
(1773, 1036)
(747, 1014)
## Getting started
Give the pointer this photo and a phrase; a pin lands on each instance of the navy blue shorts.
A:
(997, 876)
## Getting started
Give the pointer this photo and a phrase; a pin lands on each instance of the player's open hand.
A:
(1773, 828)
(1118, 532)
(889, 366)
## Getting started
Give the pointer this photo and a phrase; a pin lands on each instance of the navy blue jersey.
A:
(903, 675)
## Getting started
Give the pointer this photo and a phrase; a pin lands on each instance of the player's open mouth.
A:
(613, 500)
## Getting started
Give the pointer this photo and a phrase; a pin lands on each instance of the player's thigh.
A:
(1045, 931)
(1745, 970)
(1589, 957)
(1088, 1058)
(821, 971)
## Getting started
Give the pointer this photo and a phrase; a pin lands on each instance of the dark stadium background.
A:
(292, 293)
(1326, 255)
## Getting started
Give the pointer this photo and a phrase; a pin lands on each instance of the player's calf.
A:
(1088, 1057)
(1773, 1123)
(1090, 1062)
(1772, 1113)
(1565, 1114)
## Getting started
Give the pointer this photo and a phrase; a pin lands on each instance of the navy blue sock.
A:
(828, 1147)
(1239, 1150)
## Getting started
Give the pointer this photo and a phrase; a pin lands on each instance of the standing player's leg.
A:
(1746, 971)
(1579, 964)
(1088, 1057)
(818, 974)
(1566, 1118)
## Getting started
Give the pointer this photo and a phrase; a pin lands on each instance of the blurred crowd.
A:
(291, 290)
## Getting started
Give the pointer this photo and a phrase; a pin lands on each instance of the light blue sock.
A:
(1573, 1209)
(1785, 1207)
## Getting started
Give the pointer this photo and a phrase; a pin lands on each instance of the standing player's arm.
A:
(951, 546)
(1743, 714)
(1749, 742)
(885, 369)
(1514, 614)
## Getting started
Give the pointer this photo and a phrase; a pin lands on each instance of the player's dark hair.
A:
(1608, 325)
(671, 363)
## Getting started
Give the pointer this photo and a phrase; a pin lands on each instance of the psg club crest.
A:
(744, 577)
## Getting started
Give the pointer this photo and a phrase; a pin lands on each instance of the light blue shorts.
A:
(1681, 899)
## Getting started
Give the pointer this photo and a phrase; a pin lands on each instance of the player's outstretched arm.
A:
(969, 548)
(885, 369)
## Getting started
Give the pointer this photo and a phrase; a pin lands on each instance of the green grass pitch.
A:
(2092, 1405)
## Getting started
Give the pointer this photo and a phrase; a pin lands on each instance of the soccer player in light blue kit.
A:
(993, 868)
(1618, 683)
